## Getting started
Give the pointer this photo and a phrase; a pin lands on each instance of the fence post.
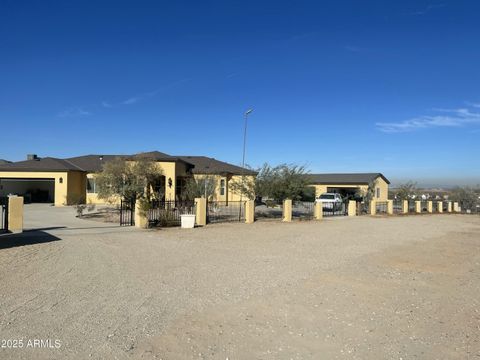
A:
(201, 211)
(440, 206)
(405, 206)
(418, 207)
(389, 207)
(15, 214)
(373, 207)
(249, 211)
(318, 210)
(352, 208)
(449, 207)
(141, 218)
(455, 207)
(287, 210)
(429, 206)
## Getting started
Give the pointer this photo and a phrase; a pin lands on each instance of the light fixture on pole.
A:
(248, 112)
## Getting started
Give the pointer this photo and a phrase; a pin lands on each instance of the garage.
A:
(351, 193)
(33, 190)
(350, 185)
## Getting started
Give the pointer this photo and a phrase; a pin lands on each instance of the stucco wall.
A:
(230, 194)
(168, 169)
(380, 183)
(76, 186)
(383, 189)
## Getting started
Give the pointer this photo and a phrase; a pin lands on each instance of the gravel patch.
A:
(355, 288)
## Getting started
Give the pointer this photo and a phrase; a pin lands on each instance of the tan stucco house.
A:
(65, 181)
(350, 184)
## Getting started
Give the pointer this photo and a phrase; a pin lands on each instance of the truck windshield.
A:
(328, 197)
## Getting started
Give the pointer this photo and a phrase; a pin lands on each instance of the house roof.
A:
(92, 163)
(345, 179)
(3, 161)
(207, 165)
(153, 155)
(41, 164)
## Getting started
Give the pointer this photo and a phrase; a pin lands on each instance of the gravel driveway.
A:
(350, 288)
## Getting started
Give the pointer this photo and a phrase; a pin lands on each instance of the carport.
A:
(348, 185)
(345, 192)
(34, 190)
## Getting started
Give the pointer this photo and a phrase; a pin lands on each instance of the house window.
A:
(222, 187)
(378, 193)
(181, 185)
(91, 186)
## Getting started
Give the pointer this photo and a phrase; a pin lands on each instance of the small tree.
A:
(127, 179)
(285, 181)
(78, 203)
(466, 197)
(406, 191)
(200, 187)
(308, 194)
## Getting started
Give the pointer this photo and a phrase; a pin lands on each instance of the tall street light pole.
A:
(248, 112)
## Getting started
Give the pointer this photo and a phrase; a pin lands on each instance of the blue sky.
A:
(341, 86)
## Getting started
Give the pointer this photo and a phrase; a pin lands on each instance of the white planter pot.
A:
(188, 221)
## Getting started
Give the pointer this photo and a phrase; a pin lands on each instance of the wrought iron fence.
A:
(381, 207)
(397, 206)
(434, 206)
(470, 209)
(269, 209)
(424, 205)
(334, 209)
(363, 208)
(3, 214)
(445, 206)
(225, 211)
(168, 212)
(412, 207)
(303, 210)
(127, 212)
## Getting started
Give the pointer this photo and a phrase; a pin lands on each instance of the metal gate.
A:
(445, 206)
(398, 206)
(127, 212)
(412, 206)
(3, 214)
(334, 209)
(381, 207)
(363, 208)
(225, 211)
(303, 210)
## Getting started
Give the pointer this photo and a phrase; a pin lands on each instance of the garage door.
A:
(33, 190)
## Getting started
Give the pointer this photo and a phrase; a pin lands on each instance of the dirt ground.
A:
(350, 288)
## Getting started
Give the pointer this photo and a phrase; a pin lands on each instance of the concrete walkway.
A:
(62, 220)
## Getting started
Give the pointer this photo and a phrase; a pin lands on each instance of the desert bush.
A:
(284, 181)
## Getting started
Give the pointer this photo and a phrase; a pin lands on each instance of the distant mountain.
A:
(440, 184)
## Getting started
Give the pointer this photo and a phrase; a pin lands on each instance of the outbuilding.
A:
(350, 184)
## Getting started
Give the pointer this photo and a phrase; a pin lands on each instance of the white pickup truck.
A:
(331, 201)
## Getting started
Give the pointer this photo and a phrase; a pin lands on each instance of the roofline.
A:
(346, 182)
(250, 172)
(339, 183)
(40, 170)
